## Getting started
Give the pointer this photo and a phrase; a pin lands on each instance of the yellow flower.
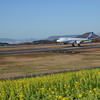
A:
(59, 97)
(50, 96)
(49, 88)
(84, 79)
(68, 86)
(90, 91)
(65, 98)
(21, 95)
(99, 73)
(53, 92)
(42, 89)
(76, 82)
(97, 93)
(56, 96)
(80, 95)
(94, 89)
(64, 85)
(12, 92)
(55, 88)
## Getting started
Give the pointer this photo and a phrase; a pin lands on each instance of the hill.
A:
(85, 35)
(6, 39)
(14, 40)
(56, 37)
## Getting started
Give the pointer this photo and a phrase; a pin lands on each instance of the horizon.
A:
(42, 18)
(36, 38)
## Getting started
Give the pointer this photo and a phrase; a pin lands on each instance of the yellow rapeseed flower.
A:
(97, 93)
(56, 96)
(21, 95)
(68, 86)
(64, 85)
(84, 79)
(59, 97)
(80, 95)
(55, 88)
(52, 92)
(50, 96)
(90, 91)
(49, 88)
(42, 89)
(76, 82)
(94, 89)
(65, 98)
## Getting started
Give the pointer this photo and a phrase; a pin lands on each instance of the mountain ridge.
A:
(14, 40)
(56, 37)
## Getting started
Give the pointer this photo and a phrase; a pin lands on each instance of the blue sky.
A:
(39, 19)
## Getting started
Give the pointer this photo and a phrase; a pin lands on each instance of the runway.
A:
(47, 49)
(83, 47)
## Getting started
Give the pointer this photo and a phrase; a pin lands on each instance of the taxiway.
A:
(47, 49)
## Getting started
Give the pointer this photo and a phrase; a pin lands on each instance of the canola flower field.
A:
(74, 85)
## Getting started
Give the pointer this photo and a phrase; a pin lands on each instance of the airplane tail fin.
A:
(90, 35)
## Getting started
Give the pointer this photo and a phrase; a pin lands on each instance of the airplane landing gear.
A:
(79, 45)
(73, 45)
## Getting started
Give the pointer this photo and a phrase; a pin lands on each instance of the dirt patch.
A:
(18, 64)
(7, 75)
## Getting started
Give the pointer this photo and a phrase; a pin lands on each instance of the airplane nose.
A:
(57, 40)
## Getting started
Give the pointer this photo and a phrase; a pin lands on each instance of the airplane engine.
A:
(78, 42)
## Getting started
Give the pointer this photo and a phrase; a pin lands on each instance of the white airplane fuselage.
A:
(70, 39)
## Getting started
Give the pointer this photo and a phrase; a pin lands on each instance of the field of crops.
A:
(75, 85)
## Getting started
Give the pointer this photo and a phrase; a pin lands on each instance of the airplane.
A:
(75, 40)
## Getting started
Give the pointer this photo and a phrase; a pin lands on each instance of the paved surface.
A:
(47, 49)
(82, 47)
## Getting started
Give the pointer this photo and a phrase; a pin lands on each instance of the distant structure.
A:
(4, 44)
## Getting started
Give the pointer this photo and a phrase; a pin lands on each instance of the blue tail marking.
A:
(90, 35)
